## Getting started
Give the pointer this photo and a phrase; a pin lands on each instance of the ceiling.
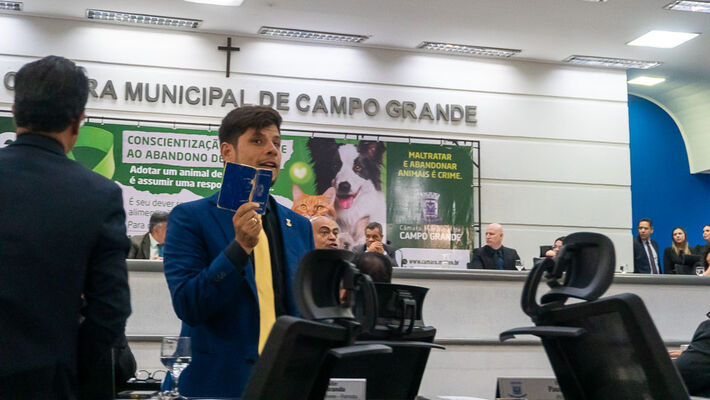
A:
(545, 30)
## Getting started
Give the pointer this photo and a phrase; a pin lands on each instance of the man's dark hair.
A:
(561, 239)
(156, 218)
(650, 223)
(50, 94)
(237, 121)
(374, 225)
(378, 266)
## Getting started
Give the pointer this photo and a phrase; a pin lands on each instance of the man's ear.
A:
(227, 151)
(76, 125)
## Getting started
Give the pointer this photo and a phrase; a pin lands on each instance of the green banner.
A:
(420, 193)
(7, 131)
(430, 203)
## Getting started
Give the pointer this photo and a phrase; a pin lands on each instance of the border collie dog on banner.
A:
(355, 171)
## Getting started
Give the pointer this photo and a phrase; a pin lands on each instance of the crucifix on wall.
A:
(229, 49)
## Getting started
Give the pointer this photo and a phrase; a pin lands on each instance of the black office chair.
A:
(399, 326)
(604, 348)
(544, 249)
(296, 359)
(389, 316)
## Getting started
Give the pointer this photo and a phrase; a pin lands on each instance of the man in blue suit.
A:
(231, 274)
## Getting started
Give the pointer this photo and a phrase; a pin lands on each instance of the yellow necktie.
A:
(264, 288)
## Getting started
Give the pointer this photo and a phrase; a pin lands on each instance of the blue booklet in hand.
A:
(242, 184)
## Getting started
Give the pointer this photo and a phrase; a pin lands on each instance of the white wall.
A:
(554, 139)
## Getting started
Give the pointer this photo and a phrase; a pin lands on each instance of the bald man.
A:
(325, 232)
(494, 255)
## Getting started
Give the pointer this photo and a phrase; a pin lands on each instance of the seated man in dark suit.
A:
(150, 245)
(645, 249)
(694, 363)
(494, 255)
(62, 235)
(373, 243)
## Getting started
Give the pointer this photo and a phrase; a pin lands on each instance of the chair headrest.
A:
(327, 285)
(583, 269)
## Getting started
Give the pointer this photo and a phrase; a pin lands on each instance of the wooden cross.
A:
(229, 49)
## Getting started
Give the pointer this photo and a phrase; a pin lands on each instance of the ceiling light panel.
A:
(141, 19)
(646, 80)
(299, 34)
(11, 5)
(687, 5)
(663, 39)
(462, 49)
(228, 3)
(610, 62)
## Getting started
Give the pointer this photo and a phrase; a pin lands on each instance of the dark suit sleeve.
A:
(476, 260)
(107, 299)
(199, 287)
(133, 251)
(640, 258)
(668, 261)
(693, 363)
(391, 254)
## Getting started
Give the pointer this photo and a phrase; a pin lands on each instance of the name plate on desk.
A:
(529, 389)
(346, 389)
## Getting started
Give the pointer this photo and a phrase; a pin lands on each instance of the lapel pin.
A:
(288, 222)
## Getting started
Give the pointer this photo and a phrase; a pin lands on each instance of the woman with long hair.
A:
(674, 254)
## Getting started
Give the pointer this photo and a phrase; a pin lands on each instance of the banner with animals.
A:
(421, 194)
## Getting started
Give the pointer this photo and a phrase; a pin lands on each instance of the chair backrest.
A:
(323, 275)
(289, 366)
(394, 344)
(395, 376)
(400, 326)
(600, 348)
(620, 355)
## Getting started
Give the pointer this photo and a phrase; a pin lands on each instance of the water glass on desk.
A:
(519, 265)
(175, 354)
(699, 270)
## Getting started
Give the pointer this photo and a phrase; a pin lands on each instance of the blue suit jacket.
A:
(216, 299)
